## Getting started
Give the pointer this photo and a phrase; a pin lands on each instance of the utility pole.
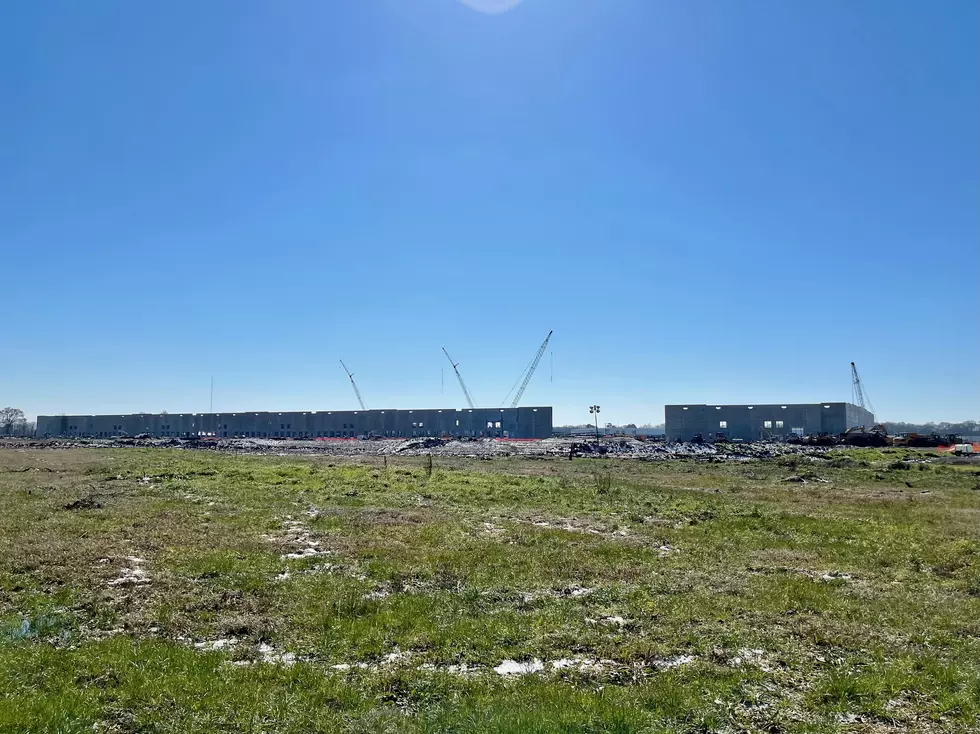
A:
(594, 410)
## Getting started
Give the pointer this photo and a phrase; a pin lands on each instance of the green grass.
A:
(718, 597)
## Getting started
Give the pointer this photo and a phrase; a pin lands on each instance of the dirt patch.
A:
(85, 503)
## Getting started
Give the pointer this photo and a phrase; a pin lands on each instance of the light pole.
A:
(594, 410)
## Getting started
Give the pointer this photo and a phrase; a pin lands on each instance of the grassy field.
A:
(170, 591)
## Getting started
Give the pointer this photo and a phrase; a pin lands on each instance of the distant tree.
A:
(963, 428)
(10, 418)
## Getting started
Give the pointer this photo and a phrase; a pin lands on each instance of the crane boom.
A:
(459, 377)
(532, 368)
(354, 385)
(858, 392)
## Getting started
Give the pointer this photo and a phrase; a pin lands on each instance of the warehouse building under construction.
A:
(760, 422)
(531, 422)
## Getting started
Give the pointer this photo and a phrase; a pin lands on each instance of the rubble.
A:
(478, 448)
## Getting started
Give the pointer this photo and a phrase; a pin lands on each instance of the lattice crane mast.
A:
(459, 377)
(858, 392)
(354, 385)
(531, 369)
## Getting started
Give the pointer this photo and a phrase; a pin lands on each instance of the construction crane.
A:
(354, 385)
(858, 393)
(459, 377)
(531, 368)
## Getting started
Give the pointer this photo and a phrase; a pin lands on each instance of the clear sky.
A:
(707, 200)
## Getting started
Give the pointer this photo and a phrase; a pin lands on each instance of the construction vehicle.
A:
(861, 436)
(925, 441)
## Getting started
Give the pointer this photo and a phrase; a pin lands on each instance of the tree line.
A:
(13, 423)
(963, 428)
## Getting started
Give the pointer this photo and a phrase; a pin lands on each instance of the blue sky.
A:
(708, 201)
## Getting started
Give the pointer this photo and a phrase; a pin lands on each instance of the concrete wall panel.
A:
(531, 422)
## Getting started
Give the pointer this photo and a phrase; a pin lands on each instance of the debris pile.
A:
(463, 447)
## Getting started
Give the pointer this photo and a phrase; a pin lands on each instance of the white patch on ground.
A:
(310, 551)
(580, 664)
(461, 669)
(269, 654)
(573, 526)
(135, 575)
(512, 667)
(219, 644)
(343, 667)
(835, 576)
(144, 481)
(388, 660)
(573, 591)
(747, 656)
(490, 529)
(377, 594)
(583, 665)
(666, 550)
(299, 538)
(265, 653)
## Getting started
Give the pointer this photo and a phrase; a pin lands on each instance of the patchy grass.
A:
(167, 591)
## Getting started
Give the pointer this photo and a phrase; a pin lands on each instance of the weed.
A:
(602, 481)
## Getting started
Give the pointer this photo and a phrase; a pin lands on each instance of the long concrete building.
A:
(756, 422)
(531, 422)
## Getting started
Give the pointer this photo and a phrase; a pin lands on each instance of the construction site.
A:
(818, 424)
(471, 422)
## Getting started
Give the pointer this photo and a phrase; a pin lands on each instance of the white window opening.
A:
(779, 424)
(723, 424)
(767, 424)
